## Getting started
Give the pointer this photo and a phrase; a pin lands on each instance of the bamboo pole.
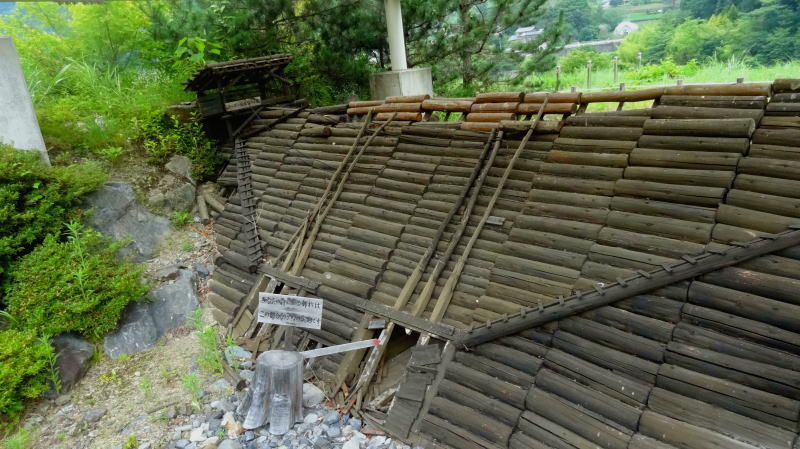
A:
(447, 292)
(306, 247)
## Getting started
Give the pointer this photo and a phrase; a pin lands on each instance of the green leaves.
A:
(24, 359)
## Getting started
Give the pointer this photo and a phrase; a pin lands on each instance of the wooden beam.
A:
(640, 283)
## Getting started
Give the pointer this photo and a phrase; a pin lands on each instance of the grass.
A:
(20, 440)
(712, 72)
(191, 385)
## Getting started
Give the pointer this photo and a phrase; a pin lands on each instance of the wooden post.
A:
(589, 74)
(616, 68)
(573, 89)
(740, 80)
(558, 77)
(638, 60)
(447, 292)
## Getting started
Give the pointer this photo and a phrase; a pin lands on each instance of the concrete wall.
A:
(18, 125)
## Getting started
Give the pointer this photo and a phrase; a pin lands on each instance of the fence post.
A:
(573, 89)
(638, 60)
(589, 74)
(558, 77)
(621, 87)
(616, 68)
(680, 82)
(739, 80)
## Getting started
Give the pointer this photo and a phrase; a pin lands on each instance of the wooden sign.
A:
(290, 310)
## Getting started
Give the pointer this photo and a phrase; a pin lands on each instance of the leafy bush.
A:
(23, 363)
(163, 135)
(73, 286)
(659, 72)
(36, 200)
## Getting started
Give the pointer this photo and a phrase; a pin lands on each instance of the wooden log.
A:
(479, 402)
(701, 196)
(398, 107)
(552, 435)
(772, 204)
(683, 112)
(570, 416)
(663, 209)
(783, 85)
(557, 97)
(593, 145)
(762, 284)
(510, 357)
(465, 417)
(682, 159)
(202, 209)
(603, 133)
(494, 107)
(520, 440)
(685, 435)
(771, 168)
(625, 95)
(408, 98)
(755, 89)
(731, 127)
(640, 441)
(775, 152)
(480, 126)
(788, 109)
(591, 120)
(746, 401)
(614, 338)
(752, 219)
(440, 430)
(500, 97)
(716, 101)
(489, 385)
(542, 127)
(762, 376)
(364, 103)
(786, 137)
(401, 116)
(719, 420)
(606, 357)
(447, 105)
(487, 117)
(551, 108)
(215, 201)
(651, 328)
(588, 398)
(689, 143)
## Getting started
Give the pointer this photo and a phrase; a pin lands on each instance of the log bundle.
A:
(591, 199)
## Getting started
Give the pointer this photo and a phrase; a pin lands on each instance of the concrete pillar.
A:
(18, 125)
(397, 42)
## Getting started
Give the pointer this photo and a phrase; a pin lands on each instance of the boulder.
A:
(181, 166)
(173, 303)
(137, 332)
(117, 214)
(73, 356)
(144, 322)
(172, 194)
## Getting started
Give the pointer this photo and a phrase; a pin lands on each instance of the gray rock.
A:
(137, 332)
(312, 395)
(95, 415)
(230, 444)
(246, 375)
(117, 214)
(334, 432)
(202, 270)
(167, 273)
(73, 354)
(172, 194)
(235, 355)
(355, 423)
(145, 446)
(173, 303)
(331, 418)
(181, 444)
(181, 166)
(220, 386)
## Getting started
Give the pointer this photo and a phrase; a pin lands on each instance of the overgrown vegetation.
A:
(23, 369)
(36, 200)
(76, 285)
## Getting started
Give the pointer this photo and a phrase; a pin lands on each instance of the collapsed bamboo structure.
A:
(623, 279)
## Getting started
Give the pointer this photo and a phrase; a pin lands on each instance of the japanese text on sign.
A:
(290, 310)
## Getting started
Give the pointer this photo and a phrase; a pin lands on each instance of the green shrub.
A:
(36, 200)
(74, 286)
(23, 363)
(163, 135)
